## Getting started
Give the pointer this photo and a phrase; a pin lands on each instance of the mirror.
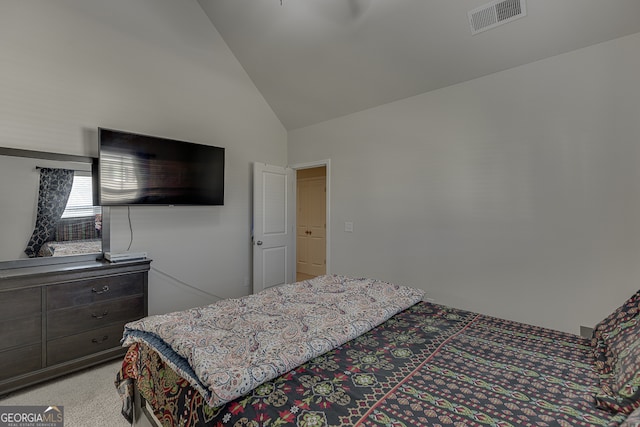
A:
(77, 232)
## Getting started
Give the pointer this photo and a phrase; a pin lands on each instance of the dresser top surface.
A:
(89, 268)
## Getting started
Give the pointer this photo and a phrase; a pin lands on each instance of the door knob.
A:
(259, 243)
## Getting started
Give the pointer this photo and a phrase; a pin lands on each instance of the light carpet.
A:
(89, 397)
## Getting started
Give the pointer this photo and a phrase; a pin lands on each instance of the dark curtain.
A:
(55, 186)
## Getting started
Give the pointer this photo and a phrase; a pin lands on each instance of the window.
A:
(80, 203)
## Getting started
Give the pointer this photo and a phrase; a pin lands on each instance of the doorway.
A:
(274, 226)
(311, 222)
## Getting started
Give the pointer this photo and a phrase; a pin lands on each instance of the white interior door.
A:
(273, 226)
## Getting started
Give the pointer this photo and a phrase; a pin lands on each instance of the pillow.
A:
(622, 314)
(632, 420)
(46, 250)
(620, 387)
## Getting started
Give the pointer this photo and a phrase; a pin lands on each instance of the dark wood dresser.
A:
(57, 319)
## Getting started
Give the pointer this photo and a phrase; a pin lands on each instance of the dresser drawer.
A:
(94, 290)
(20, 303)
(23, 331)
(20, 361)
(71, 321)
(71, 347)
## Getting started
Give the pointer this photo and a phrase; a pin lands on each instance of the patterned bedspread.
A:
(229, 348)
(71, 247)
(429, 365)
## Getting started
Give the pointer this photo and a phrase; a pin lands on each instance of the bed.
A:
(71, 247)
(414, 364)
(74, 236)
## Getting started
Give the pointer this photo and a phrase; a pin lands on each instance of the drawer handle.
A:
(100, 316)
(96, 341)
(104, 289)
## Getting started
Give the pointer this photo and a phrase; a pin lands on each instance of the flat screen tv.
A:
(147, 170)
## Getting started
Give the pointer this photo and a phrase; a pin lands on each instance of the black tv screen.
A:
(147, 170)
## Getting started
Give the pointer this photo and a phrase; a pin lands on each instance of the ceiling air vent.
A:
(496, 13)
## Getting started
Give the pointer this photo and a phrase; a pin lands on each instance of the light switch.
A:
(348, 226)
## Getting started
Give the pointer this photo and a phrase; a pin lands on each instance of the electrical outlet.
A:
(348, 226)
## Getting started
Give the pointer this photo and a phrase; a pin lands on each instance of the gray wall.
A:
(155, 67)
(516, 194)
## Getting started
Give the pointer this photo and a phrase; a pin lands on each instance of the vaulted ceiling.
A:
(314, 60)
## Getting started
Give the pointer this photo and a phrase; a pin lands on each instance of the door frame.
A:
(327, 164)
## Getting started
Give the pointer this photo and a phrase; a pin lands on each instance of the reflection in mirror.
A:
(75, 231)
